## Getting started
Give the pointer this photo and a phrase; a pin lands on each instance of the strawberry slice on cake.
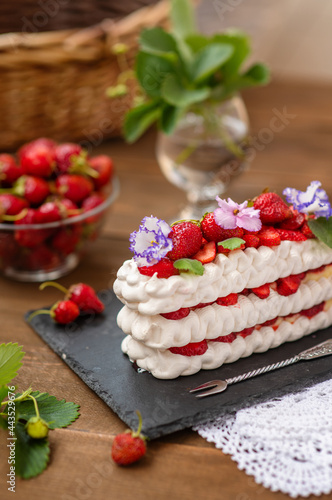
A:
(244, 279)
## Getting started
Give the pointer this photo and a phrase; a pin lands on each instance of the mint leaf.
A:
(209, 59)
(231, 243)
(158, 42)
(31, 455)
(56, 413)
(176, 94)
(10, 361)
(182, 18)
(322, 228)
(192, 266)
(139, 119)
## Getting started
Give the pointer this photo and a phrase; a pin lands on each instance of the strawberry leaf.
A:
(10, 362)
(3, 393)
(191, 266)
(231, 243)
(56, 413)
(31, 455)
(322, 228)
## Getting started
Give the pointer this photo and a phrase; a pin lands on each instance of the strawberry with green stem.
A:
(36, 426)
(33, 189)
(9, 171)
(81, 294)
(74, 187)
(62, 312)
(72, 158)
(130, 446)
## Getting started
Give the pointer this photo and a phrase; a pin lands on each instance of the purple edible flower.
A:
(313, 200)
(150, 243)
(230, 215)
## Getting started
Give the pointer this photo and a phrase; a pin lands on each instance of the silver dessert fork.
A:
(216, 386)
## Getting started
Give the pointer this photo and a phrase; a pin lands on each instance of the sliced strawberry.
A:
(187, 240)
(288, 286)
(229, 300)
(269, 237)
(272, 208)
(213, 232)
(179, 314)
(225, 338)
(164, 269)
(207, 253)
(305, 229)
(269, 322)
(247, 331)
(192, 349)
(201, 305)
(252, 240)
(294, 222)
(262, 291)
(287, 235)
(312, 311)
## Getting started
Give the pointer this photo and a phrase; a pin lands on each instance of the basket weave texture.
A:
(53, 83)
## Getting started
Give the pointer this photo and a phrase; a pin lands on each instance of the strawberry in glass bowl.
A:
(52, 201)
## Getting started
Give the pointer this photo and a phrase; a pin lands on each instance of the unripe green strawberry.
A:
(37, 428)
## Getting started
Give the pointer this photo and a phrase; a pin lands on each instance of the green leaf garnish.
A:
(191, 266)
(31, 455)
(56, 413)
(231, 243)
(322, 229)
(10, 361)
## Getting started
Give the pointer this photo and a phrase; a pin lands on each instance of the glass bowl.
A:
(41, 252)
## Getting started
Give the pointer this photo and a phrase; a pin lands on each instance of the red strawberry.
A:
(269, 322)
(66, 239)
(103, 165)
(272, 208)
(192, 349)
(53, 211)
(81, 294)
(252, 240)
(225, 338)
(63, 312)
(187, 240)
(30, 238)
(11, 204)
(207, 253)
(294, 222)
(289, 285)
(201, 305)
(305, 229)
(74, 187)
(129, 447)
(312, 311)
(229, 300)
(262, 291)
(247, 331)
(9, 171)
(65, 154)
(222, 249)
(164, 269)
(91, 202)
(269, 237)
(288, 235)
(213, 232)
(179, 314)
(38, 258)
(37, 158)
(33, 189)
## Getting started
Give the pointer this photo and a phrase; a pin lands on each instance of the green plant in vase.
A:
(190, 85)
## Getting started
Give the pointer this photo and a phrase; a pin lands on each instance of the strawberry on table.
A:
(130, 446)
(81, 294)
(62, 312)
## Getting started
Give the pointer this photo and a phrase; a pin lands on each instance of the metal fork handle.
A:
(264, 369)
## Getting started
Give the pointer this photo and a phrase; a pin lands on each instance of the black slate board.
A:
(91, 348)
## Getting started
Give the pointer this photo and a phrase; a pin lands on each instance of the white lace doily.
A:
(285, 443)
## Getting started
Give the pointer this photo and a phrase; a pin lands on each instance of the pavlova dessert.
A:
(244, 279)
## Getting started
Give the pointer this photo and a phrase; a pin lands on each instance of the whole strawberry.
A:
(187, 240)
(103, 165)
(81, 294)
(74, 187)
(272, 208)
(72, 158)
(62, 312)
(9, 171)
(38, 158)
(129, 447)
(33, 189)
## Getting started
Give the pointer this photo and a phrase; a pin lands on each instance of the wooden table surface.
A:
(290, 151)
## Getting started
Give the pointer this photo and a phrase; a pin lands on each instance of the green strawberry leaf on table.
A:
(322, 228)
(10, 361)
(56, 413)
(231, 243)
(190, 266)
(31, 455)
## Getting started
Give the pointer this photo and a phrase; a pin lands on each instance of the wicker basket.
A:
(53, 83)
